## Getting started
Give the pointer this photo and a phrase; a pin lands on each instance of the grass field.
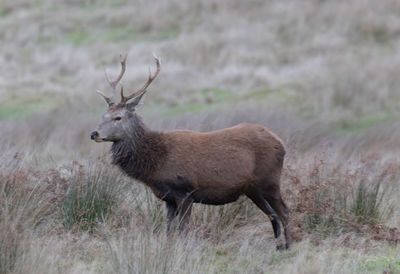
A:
(323, 75)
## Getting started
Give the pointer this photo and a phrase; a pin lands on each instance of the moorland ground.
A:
(324, 75)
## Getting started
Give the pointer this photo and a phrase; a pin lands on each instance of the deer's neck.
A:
(140, 153)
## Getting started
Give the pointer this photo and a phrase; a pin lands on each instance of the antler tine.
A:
(108, 99)
(114, 83)
(142, 90)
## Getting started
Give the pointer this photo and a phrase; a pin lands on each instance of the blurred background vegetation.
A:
(323, 74)
(330, 65)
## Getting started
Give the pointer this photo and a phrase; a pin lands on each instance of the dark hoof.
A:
(282, 247)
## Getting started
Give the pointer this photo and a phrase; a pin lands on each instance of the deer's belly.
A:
(176, 190)
(215, 196)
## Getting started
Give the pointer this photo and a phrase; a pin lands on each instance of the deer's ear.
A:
(131, 107)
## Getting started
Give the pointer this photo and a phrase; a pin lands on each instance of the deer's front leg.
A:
(184, 211)
(172, 212)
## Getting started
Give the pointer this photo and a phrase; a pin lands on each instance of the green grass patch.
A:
(258, 94)
(215, 98)
(132, 33)
(361, 124)
(280, 257)
(113, 34)
(283, 95)
(18, 108)
(168, 33)
(80, 36)
(219, 95)
(209, 98)
(381, 264)
(45, 40)
(186, 108)
(80, 32)
(4, 11)
(90, 5)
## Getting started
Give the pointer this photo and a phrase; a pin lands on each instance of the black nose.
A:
(94, 134)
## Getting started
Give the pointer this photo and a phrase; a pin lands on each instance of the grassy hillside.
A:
(321, 74)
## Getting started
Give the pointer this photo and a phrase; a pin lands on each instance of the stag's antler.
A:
(114, 83)
(138, 94)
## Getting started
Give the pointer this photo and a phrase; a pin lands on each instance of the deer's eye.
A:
(118, 118)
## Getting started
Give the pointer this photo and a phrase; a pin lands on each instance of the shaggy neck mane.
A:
(141, 152)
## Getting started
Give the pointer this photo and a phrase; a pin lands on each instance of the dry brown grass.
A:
(132, 239)
(321, 74)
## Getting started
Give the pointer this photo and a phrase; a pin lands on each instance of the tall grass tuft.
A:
(366, 203)
(10, 243)
(328, 212)
(91, 197)
(24, 207)
(337, 199)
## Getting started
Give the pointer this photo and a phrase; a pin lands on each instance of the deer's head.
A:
(119, 117)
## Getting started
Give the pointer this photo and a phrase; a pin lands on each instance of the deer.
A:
(184, 167)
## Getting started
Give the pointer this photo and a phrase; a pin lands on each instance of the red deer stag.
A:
(183, 167)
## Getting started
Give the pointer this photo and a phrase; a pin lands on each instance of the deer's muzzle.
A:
(94, 135)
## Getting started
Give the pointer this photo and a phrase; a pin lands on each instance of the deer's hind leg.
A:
(256, 196)
(273, 196)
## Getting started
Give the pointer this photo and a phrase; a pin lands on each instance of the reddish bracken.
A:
(327, 191)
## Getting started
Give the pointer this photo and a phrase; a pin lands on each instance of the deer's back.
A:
(227, 158)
